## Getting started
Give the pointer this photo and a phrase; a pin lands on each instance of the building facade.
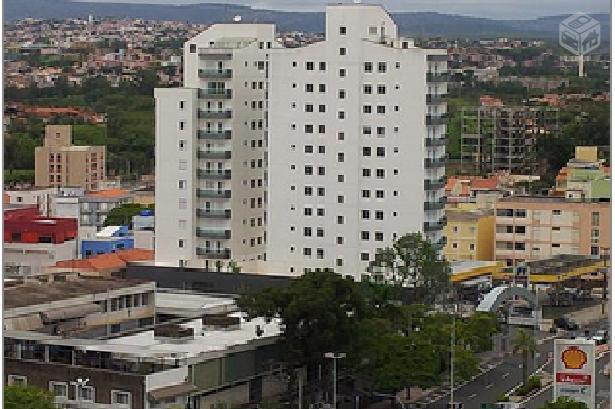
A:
(60, 163)
(469, 235)
(536, 227)
(278, 157)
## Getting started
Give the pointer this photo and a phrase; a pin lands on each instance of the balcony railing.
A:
(213, 253)
(427, 227)
(214, 154)
(214, 174)
(437, 77)
(436, 119)
(226, 73)
(215, 114)
(212, 193)
(436, 141)
(436, 162)
(435, 98)
(213, 234)
(215, 93)
(437, 205)
(212, 54)
(434, 184)
(204, 134)
(213, 214)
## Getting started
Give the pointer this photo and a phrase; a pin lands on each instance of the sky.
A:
(497, 9)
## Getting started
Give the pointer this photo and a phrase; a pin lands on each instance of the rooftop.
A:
(31, 294)
(108, 193)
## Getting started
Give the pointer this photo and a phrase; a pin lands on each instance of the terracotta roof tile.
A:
(109, 193)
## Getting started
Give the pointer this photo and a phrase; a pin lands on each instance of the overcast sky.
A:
(500, 9)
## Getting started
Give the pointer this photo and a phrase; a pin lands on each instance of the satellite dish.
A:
(237, 19)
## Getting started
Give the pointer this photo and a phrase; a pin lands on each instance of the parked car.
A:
(601, 337)
(566, 323)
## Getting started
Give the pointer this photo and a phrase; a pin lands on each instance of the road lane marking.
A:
(489, 386)
(505, 375)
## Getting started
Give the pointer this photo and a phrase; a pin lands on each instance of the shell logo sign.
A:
(574, 358)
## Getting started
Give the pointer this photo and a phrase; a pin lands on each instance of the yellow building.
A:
(469, 235)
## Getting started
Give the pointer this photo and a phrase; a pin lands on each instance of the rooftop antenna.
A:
(237, 19)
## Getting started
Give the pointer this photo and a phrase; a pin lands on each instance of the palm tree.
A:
(524, 344)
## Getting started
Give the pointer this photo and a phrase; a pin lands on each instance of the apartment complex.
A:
(495, 138)
(469, 235)
(585, 176)
(60, 163)
(537, 227)
(288, 159)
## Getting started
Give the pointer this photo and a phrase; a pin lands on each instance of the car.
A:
(601, 337)
(566, 323)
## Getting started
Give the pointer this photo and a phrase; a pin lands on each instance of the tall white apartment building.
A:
(287, 159)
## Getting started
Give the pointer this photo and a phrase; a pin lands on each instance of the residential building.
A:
(143, 226)
(32, 242)
(585, 176)
(109, 240)
(94, 207)
(495, 138)
(39, 197)
(99, 266)
(200, 352)
(60, 163)
(469, 235)
(267, 148)
(535, 227)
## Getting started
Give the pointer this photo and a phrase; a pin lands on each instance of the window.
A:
(308, 191)
(120, 397)
(309, 65)
(309, 108)
(320, 212)
(520, 229)
(58, 388)
(454, 245)
(342, 72)
(341, 94)
(339, 240)
(309, 128)
(340, 178)
(322, 87)
(380, 151)
(340, 136)
(380, 194)
(557, 212)
(341, 115)
(471, 246)
(322, 66)
(595, 251)
(378, 236)
(307, 232)
(182, 204)
(320, 232)
(340, 157)
(339, 262)
(555, 245)
(181, 104)
(192, 48)
(367, 130)
(379, 215)
(367, 88)
(309, 170)
(321, 129)
(340, 219)
(181, 125)
(321, 148)
(381, 109)
(367, 109)
(364, 256)
(309, 87)
(382, 89)
(367, 173)
(18, 380)
(382, 67)
(181, 224)
(182, 164)
(307, 251)
(180, 243)
(86, 393)
(519, 246)
(322, 108)
(181, 184)
(320, 253)
(365, 214)
(367, 151)
(182, 144)
(321, 191)
(342, 31)
(308, 149)
(364, 235)
(340, 199)
(595, 218)
(365, 193)
(367, 67)
(373, 30)
(321, 171)
(342, 51)
(380, 173)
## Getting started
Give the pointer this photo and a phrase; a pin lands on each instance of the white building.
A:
(287, 159)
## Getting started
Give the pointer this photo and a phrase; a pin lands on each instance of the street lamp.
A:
(335, 357)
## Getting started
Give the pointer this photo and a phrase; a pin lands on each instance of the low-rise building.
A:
(109, 240)
(94, 207)
(469, 235)
(585, 177)
(143, 229)
(536, 227)
(99, 266)
(32, 242)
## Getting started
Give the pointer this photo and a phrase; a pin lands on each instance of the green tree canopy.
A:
(22, 397)
(565, 403)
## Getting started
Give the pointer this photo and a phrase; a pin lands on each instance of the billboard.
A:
(574, 367)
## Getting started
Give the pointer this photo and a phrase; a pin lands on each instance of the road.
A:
(489, 386)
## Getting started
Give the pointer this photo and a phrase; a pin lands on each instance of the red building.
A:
(25, 225)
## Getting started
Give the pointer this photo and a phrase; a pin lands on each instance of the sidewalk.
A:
(588, 315)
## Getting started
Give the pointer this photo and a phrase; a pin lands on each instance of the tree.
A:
(413, 261)
(565, 403)
(524, 344)
(122, 215)
(21, 397)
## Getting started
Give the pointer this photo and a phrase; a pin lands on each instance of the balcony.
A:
(215, 135)
(214, 174)
(430, 227)
(213, 214)
(437, 77)
(213, 193)
(213, 54)
(214, 234)
(215, 93)
(436, 119)
(215, 114)
(224, 254)
(434, 184)
(435, 98)
(437, 205)
(213, 154)
(226, 73)
(436, 141)
(435, 162)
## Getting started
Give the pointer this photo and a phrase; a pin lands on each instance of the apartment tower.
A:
(290, 159)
